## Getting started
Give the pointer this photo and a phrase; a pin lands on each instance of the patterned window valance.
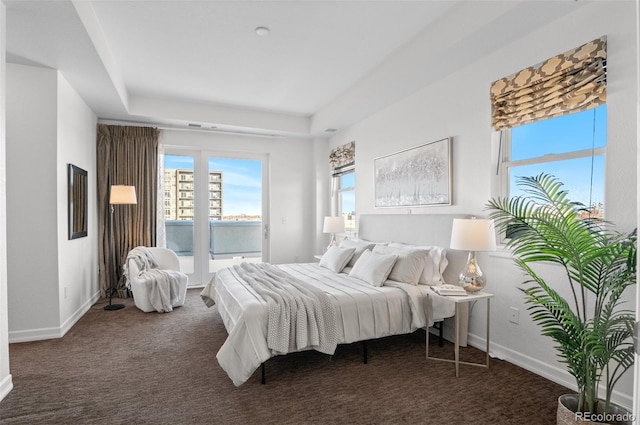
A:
(343, 158)
(570, 82)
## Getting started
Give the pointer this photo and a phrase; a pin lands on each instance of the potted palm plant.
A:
(591, 329)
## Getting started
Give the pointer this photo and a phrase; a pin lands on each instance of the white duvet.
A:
(362, 311)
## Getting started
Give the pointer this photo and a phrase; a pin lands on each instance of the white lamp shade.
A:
(473, 234)
(123, 195)
(333, 225)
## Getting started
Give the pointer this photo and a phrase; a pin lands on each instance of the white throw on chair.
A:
(165, 259)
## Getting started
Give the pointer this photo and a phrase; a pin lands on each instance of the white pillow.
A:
(373, 268)
(359, 245)
(336, 258)
(439, 263)
(409, 265)
(434, 266)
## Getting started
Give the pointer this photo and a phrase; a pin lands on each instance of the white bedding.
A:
(363, 312)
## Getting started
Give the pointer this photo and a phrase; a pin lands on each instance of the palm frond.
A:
(544, 225)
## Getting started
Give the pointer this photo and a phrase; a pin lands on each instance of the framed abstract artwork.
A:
(417, 176)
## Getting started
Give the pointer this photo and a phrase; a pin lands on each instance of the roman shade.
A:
(570, 82)
(343, 159)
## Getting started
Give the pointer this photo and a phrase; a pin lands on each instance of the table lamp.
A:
(333, 225)
(472, 235)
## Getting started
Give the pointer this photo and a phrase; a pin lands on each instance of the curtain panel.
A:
(343, 158)
(126, 156)
(570, 82)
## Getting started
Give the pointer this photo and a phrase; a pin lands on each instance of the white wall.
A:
(457, 106)
(322, 182)
(32, 226)
(291, 185)
(48, 126)
(78, 285)
(6, 382)
(617, 21)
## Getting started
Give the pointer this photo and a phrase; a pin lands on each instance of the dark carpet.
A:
(129, 367)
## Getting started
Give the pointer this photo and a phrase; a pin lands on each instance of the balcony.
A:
(227, 239)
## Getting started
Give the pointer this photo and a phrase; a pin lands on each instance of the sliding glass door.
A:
(236, 225)
(179, 208)
(215, 210)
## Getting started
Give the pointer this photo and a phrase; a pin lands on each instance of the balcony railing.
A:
(227, 238)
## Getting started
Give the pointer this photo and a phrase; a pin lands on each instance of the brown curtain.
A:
(571, 82)
(126, 156)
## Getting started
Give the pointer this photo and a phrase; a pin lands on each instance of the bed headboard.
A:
(415, 229)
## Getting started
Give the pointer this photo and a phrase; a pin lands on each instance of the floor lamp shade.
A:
(123, 195)
(472, 235)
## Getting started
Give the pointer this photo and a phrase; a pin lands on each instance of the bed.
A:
(346, 306)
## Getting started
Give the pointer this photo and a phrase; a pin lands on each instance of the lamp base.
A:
(333, 241)
(114, 307)
(472, 286)
(472, 279)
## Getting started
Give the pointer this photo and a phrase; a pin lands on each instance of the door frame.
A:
(201, 274)
(204, 165)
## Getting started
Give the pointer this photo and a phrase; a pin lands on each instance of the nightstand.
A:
(459, 300)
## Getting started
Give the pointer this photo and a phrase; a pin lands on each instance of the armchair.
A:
(166, 259)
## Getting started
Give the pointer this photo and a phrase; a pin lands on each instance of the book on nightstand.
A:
(447, 289)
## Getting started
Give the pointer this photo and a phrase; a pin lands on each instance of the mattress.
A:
(363, 312)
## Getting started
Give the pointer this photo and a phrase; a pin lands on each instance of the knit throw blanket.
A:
(162, 285)
(300, 315)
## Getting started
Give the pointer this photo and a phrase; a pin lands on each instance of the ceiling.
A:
(188, 63)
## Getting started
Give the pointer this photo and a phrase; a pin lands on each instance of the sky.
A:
(348, 198)
(563, 134)
(242, 181)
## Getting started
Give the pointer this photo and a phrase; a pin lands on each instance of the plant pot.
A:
(568, 404)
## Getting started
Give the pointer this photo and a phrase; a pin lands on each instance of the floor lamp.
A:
(119, 195)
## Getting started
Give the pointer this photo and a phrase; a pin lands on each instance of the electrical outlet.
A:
(514, 315)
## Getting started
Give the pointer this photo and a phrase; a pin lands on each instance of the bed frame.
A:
(414, 229)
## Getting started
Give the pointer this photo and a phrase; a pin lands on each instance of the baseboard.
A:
(29, 335)
(53, 333)
(6, 385)
(77, 315)
(558, 375)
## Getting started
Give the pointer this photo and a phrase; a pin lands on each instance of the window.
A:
(345, 199)
(570, 147)
(343, 183)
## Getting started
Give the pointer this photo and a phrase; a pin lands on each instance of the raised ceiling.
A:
(178, 62)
